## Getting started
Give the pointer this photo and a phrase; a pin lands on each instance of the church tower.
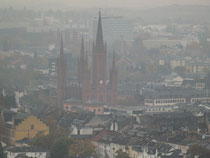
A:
(81, 62)
(61, 77)
(84, 72)
(97, 88)
(99, 58)
(113, 81)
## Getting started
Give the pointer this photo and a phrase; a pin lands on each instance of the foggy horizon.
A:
(67, 4)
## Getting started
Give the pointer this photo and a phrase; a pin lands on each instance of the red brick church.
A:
(95, 85)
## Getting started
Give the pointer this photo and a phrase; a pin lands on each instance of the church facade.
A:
(94, 83)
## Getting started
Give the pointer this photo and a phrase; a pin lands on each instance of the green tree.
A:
(199, 150)
(48, 141)
(129, 100)
(60, 145)
(15, 79)
(60, 149)
(82, 149)
(121, 154)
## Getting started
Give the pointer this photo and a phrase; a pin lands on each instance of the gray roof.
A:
(165, 92)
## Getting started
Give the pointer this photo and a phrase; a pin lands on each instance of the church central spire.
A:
(99, 57)
(61, 47)
(97, 87)
(99, 35)
(61, 77)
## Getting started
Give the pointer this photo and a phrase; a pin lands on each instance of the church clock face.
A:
(101, 81)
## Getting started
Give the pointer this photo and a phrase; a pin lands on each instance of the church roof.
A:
(72, 100)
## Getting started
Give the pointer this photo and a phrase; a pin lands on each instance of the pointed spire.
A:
(61, 46)
(86, 58)
(93, 46)
(105, 46)
(86, 62)
(60, 77)
(82, 52)
(82, 46)
(79, 71)
(57, 42)
(113, 62)
(99, 35)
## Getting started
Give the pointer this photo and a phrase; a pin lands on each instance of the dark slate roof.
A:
(173, 154)
(78, 119)
(141, 143)
(27, 149)
(8, 101)
(10, 115)
(193, 82)
(93, 102)
(174, 115)
(72, 100)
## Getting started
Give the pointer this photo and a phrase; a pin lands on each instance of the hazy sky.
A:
(97, 3)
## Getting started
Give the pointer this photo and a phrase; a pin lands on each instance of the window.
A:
(32, 126)
(109, 99)
(93, 98)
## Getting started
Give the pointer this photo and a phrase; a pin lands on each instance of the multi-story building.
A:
(115, 28)
(25, 152)
(172, 96)
(197, 67)
(71, 65)
(52, 65)
(161, 43)
(136, 147)
(17, 126)
(30, 127)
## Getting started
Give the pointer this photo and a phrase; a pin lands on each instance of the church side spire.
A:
(113, 73)
(82, 63)
(113, 62)
(86, 58)
(82, 52)
(61, 47)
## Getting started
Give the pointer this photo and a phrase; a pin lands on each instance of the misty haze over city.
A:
(104, 79)
(67, 4)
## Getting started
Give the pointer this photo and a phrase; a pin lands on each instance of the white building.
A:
(173, 80)
(159, 109)
(26, 152)
(109, 150)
